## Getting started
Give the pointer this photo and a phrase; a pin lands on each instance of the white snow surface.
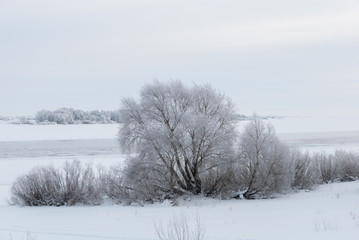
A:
(329, 212)
(23, 132)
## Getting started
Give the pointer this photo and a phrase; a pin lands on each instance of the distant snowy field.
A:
(330, 212)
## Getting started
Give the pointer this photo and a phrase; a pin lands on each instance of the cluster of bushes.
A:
(320, 168)
(23, 120)
(18, 120)
(74, 116)
(183, 141)
(261, 167)
(341, 166)
(76, 183)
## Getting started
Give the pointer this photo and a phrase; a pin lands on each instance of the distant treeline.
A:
(75, 116)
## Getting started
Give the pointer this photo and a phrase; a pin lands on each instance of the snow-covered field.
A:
(330, 212)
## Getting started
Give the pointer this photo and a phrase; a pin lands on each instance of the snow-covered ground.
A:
(330, 212)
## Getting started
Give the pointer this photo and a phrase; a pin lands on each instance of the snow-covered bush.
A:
(81, 185)
(328, 167)
(73, 184)
(307, 173)
(44, 116)
(340, 166)
(126, 191)
(40, 186)
(264, 164)
(348, 165)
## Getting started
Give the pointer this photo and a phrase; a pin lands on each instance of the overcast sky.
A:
(271, 57)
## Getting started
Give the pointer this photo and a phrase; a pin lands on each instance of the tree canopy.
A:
(178, 133)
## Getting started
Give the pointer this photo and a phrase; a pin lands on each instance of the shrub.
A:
(264, 163)
(348, 165)
(307, 172)
(327, 166)
(115, 189)
(181, 229)
(39, 187)
(47, 186)
(341, 166)
(137, 183)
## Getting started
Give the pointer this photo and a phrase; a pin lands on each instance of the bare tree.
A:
(264, 165)
(177, 135)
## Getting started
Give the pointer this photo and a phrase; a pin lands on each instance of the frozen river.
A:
(61, 148)
(97, 140)
(313, 142)
(323, 141)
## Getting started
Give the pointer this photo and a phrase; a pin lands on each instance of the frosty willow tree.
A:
(176, 136)
(265, 167)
